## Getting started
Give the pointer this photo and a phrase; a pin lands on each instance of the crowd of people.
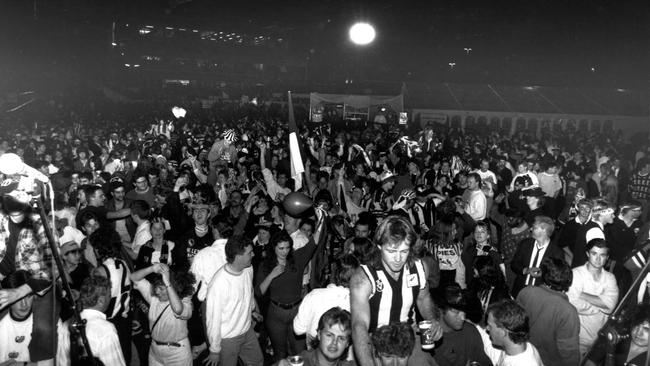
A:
(188, 241)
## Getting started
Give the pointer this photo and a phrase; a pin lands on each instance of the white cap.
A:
(71, 235)
(386, 174)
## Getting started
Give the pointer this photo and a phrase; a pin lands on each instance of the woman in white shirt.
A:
(170, 306)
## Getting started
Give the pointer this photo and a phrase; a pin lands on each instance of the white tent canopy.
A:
(365, 105)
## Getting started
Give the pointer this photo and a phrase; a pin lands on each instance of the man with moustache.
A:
(385, 290)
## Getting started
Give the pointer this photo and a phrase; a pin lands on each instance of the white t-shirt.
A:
(530, 357)
(592, 318)
(16, 335)
(485, 175)
(477, 205)
(141, 237)
(229, 303)
(316, 303)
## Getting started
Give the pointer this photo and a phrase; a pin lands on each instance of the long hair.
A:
(364, 249)
(345, 267)
(443, 233)
(489, 276)
(271, 259)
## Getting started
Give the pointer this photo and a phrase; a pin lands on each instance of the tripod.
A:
(78, 327)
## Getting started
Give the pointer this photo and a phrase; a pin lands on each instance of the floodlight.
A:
(362, 34)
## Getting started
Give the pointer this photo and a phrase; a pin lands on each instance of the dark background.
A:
(58, 44)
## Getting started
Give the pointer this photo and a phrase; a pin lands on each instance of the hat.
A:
(272, 228)
(115, 184)
(198, 202)
(533, 192)
(71, 236)
(451, 297)
(229, 135)
(386, 175)
(161, 160)
(524, 180)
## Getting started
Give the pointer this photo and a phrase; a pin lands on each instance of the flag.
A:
(342, 203)
(297, 167)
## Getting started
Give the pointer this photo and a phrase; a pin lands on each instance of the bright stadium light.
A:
(362, 34)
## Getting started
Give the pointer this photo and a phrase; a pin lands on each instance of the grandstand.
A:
(528, 106)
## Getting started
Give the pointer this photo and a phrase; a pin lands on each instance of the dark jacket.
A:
(522, 258)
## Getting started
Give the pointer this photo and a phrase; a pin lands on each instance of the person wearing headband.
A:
(621, 236)
(602, 214)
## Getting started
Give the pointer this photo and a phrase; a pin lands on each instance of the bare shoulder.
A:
(359, 281)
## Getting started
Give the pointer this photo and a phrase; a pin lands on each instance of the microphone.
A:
(12, 164)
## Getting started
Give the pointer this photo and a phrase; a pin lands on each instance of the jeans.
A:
(279, 324)
(244, 347)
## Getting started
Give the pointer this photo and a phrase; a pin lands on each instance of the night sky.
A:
(550, 43)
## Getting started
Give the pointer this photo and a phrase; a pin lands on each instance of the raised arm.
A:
(262, 147)
(320, 224)
(119, 214)
(174, 301)
(141, 284)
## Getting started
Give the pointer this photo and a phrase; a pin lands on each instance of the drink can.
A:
(426, 334)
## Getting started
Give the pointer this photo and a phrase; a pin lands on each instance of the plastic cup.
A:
(296, 360)
(426, 334)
